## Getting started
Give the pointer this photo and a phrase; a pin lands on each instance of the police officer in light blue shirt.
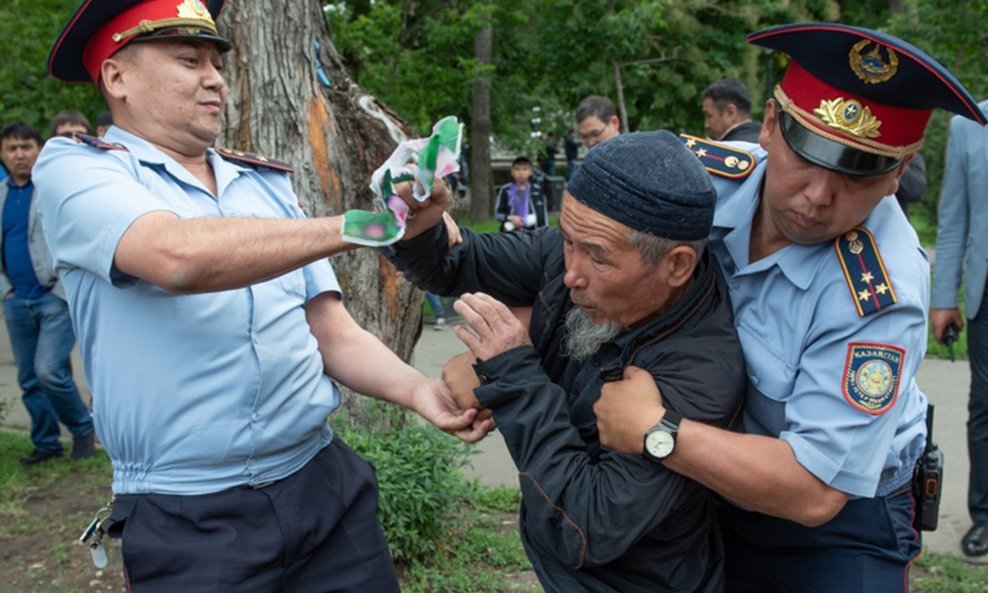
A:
(212, 326)
(829, 287)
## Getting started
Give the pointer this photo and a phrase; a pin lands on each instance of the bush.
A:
(420, 472)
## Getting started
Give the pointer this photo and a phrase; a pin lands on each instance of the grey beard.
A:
(584, 336)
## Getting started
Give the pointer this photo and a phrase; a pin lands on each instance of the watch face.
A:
(659, 443)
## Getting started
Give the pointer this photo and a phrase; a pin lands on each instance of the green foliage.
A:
(27, 30)
(955, 35)
(496, 499)
(419, 470)
(418, 57)
(478, 539)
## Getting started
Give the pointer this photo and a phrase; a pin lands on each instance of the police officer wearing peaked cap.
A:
(212, 326)
(100, 28)
(830, 289)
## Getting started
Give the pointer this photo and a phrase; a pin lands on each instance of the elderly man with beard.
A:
(625, 280)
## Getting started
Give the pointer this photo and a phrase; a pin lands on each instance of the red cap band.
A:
(141, 19)
(832, 111)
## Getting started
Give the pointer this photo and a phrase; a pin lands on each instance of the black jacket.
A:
(592, 519)
(748, 131)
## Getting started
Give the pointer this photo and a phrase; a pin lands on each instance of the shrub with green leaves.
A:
(420, 472)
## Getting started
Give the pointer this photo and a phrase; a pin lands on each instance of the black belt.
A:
(907, 487)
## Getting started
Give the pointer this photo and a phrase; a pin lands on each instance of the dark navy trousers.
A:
(315, 531)
(977, 418)
(866, 548)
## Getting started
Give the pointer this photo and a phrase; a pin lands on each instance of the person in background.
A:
(962, 255)
(103, 122)
(35, 311)
(727, 112)
(912, 186)
(830, 290)
(211, 325)
(521, 203)
(547, 155)
(436, 302)
(572, 148)
(596, 120)
(67, 123)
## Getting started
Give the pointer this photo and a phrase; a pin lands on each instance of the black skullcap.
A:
(650, 182)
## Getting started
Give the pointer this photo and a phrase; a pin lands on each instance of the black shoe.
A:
(37, 457)
(82, 447)
(975, 542)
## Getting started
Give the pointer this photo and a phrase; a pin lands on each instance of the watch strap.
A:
(671, 419)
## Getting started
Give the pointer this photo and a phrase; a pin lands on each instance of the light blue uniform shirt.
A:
(196, 393)
(798, 325)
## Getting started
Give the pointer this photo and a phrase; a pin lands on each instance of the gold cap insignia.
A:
(194, 9)
(850, 116)
(873, 67)
(190, 13)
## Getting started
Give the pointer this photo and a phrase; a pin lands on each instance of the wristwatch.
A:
(660, 440)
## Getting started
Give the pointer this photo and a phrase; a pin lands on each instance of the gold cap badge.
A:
(850, 116)
(872, 67)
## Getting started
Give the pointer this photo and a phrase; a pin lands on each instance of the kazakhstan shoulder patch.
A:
(720, 159)
(871, 376)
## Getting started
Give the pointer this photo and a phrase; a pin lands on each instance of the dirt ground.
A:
(44, 555)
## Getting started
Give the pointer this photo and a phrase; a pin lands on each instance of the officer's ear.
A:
(894, 181)
(768, 123)
(113, 72)
(111, 79)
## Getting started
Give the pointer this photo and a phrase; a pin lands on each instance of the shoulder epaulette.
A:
(720, 159)
(869, 283)
(255, 160)
(99, 143)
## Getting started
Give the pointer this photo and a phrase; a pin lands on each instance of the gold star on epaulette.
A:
(865, 273)
(701, 153)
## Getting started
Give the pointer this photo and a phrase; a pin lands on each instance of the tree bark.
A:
(335, 133)
(481, 179)
(619, 87)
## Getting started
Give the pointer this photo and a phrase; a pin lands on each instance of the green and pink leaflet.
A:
(432, 157)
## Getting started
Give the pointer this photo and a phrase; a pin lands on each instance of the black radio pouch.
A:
(927, 480)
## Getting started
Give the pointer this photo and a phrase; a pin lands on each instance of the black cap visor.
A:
(833, 155)
(194, 33)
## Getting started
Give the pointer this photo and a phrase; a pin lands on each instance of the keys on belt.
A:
(93, 535)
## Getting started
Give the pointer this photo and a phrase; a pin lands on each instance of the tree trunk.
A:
(292, 99)
(481, 179)
(619, 87)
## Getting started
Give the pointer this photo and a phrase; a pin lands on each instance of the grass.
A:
(948, 574)
(479, 551)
